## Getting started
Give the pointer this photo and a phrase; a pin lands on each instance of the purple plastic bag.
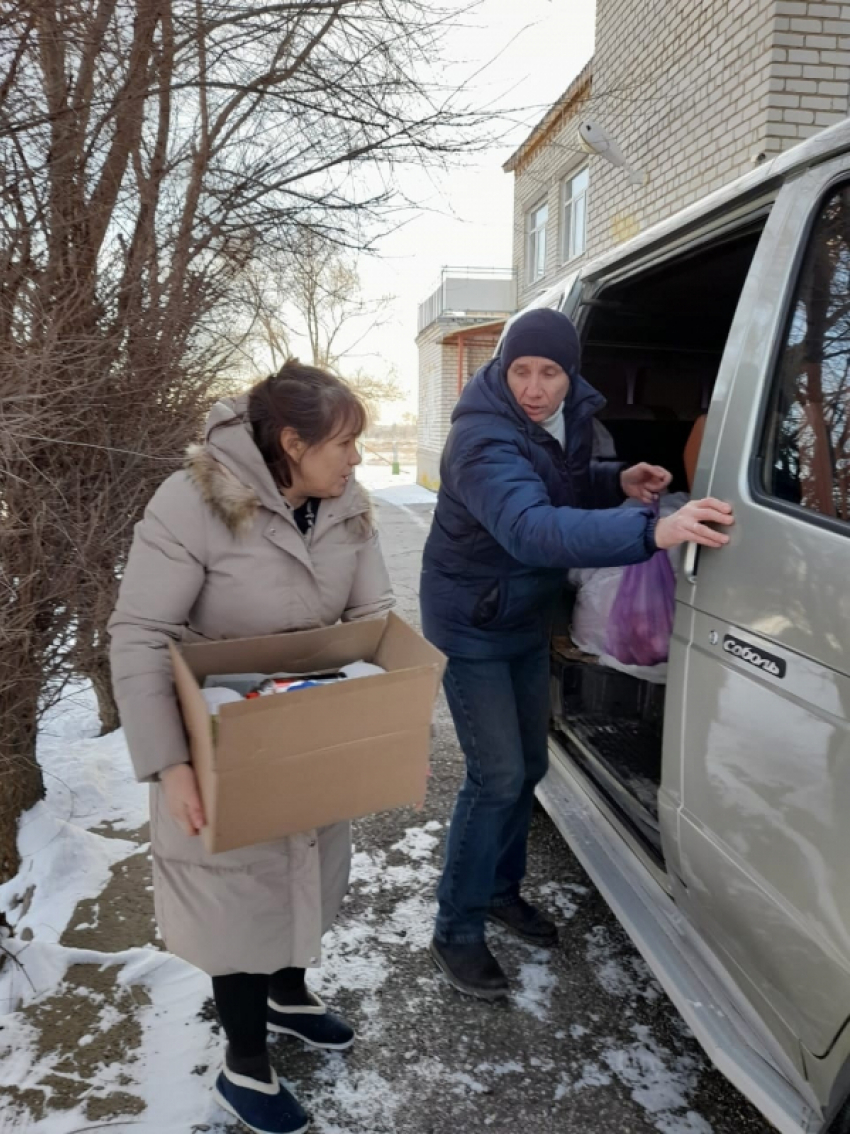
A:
(641, 619)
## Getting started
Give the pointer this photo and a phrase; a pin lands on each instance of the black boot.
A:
(524, 921)
(471, 968)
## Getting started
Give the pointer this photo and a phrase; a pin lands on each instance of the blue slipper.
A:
(313, 1024)
(265, 1108)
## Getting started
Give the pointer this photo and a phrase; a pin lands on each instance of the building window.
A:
(806, 451)
(574, 216)
(536, 241)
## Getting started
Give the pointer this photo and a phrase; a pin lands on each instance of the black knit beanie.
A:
(542, 333)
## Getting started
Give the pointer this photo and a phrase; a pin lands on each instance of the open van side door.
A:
(755, 799)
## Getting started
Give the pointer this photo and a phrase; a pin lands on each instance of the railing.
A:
(470, 291)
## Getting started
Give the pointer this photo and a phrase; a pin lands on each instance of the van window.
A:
(806, 451)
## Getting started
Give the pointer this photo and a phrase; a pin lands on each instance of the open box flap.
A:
(298, 652)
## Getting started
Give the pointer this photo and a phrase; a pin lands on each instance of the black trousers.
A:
(241, 1000)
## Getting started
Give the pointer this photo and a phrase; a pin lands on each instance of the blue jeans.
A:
(501, 714)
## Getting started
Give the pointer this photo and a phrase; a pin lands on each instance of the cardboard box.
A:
(278, 765)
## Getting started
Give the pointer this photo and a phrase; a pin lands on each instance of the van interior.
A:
(652, 345)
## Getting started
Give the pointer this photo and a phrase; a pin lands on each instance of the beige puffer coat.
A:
(218, 555)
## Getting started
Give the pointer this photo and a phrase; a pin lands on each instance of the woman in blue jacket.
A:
(521, 501)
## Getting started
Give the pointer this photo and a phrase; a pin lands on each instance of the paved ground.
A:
(588, 1042)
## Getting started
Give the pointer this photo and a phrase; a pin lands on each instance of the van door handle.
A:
(691, 562)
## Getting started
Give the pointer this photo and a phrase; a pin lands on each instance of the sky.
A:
(466, 216)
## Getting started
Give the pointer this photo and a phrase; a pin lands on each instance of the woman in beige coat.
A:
(264, 531)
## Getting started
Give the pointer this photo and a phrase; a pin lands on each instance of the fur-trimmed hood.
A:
(233, 502)
(235, 482)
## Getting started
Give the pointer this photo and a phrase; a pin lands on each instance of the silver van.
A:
(714, 813)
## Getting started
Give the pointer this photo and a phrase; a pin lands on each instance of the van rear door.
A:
(756, 782)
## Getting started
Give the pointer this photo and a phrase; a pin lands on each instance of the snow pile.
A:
(400, 489)
(126, 1039)
(93, 819)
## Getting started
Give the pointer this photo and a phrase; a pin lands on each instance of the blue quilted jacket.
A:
(514, 512)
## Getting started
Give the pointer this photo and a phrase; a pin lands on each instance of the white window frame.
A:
(535, 241)
(573, 243)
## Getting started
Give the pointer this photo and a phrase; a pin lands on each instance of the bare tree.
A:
(314, 296)
(323, 287)
(148, 151)
(375, 390)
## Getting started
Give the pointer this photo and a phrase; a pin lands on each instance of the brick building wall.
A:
(438, 381)
(540, 177)
(435, 404)
(811, 70)
(694, 92)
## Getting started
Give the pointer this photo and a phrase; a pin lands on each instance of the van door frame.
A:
(577, 303)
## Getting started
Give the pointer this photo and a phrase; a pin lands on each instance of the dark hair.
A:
(316, 404)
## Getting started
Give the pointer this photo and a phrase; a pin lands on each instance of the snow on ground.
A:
(90, 821)
(64, 858)
(401, 489)
(69, 844)
(65, 861)
(403, 495)
(100, 1028)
